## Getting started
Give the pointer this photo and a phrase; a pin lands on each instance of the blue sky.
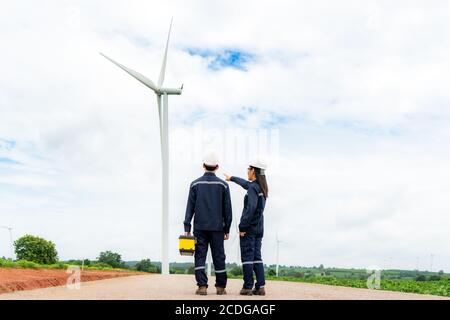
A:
(361, 120)
(224, 58)
(7, 160)
(7, 146)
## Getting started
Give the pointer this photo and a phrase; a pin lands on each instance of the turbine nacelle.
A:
(169, 90)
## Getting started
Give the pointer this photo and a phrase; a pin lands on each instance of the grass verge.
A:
(24, 264)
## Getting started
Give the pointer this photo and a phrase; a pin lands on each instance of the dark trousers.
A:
(215, 240)
(252, 261)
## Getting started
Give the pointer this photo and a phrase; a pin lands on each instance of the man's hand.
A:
(227, 177)
(187, 234)
(226, 236)
(242, 234)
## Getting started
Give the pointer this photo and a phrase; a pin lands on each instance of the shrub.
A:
(6, 263)
(100, 266)
(421, 278)
(145, 266)
(236, 271)
(299, 274)
(27, 264)
(191, 270)
(35, 249)
(271, 273)
(112, 259)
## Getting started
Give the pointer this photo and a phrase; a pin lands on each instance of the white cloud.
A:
(358, 91)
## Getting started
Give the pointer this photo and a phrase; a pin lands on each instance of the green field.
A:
(438, 287)
(413, 281)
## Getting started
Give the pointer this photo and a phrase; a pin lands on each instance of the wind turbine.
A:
(161, 93)
(237, 237)
(431, 262)
(209, 262)
(278, 255)
(10, 239)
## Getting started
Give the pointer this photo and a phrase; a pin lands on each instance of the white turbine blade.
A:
(163, 67)
(141, 78)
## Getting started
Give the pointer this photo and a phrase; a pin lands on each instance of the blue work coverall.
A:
(252, 223)
(209, 202)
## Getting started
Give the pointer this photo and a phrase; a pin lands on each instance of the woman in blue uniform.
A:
(251, 227)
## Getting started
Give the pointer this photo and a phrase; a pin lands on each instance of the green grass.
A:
(439, 288)
(23, 264)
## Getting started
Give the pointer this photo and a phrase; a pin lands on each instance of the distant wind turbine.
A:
(278, 254)
(10, 240)
(238, 242)
(431, 262)
(209, 263)
(161, 93)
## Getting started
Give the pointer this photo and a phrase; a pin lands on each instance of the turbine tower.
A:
(234, 238)
(161, 93)
(209, 262)
(278, 255)
(10, 240)
(431, 262)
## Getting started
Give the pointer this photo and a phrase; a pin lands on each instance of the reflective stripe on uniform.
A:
(209, 182)
(220, 271)
(199, 268)
(260, 194)
(248, 262)
(257, 262)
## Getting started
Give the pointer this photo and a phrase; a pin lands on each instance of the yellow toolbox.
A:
(187, 245)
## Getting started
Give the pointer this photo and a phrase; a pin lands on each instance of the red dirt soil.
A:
(27, 279)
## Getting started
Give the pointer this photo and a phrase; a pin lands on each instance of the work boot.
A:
(201, 291)
(246, 292)
(221, 291)
(259, 292)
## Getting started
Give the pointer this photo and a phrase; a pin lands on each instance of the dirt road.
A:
(12, 279)
(183, 286)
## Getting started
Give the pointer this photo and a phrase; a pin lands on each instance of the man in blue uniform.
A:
(209, 202)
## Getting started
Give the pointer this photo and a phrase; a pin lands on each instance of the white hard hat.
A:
(260, 164)
(211, 159)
